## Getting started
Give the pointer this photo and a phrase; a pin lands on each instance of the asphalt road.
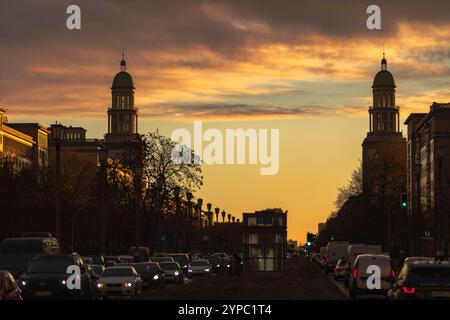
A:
(300, 280)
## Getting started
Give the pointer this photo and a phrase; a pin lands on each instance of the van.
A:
(354, 250)
(360, 274)
(335, 250)
(15, 253)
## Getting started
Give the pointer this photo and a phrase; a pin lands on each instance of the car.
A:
(98, 260)
(225, 265)
(353, 251)
(422, 279)
(172, 272)
(182, 259)
(46, 277)
(97, 270)
(163, 259)
(199, 267)
(335, 250)
(111, 261)
(119, 281)
(16, 253)
(339, 270)
(360, 275)
(151, 274)
(215, 263)
(125, 258)
(8, 287)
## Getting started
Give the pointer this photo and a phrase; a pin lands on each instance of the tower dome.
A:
(383, 78)
(123, 79)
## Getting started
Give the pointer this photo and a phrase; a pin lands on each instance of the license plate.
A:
(43, 294)
(440, 294)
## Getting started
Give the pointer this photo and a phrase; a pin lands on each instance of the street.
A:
(300, 280)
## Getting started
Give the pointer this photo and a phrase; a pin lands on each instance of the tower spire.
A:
(384, 62)
(123, 63)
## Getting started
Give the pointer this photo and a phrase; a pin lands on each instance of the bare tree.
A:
(353, 188)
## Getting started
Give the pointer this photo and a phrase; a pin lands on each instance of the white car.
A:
(199, 267)
(119, 280)
(361, 272)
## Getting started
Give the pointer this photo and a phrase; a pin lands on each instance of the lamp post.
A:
(223, 216)
(57, 131)
(208, 207)
(103, 158)
(217, 211)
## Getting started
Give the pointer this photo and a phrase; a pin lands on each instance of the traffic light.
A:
(404, 201)
(309, 243)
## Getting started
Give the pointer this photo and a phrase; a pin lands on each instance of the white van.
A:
(360, 274)
(335, 251)
(355, 250)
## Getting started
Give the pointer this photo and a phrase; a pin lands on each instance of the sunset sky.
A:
(304, 67)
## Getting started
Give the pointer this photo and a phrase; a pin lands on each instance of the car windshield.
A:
(181, 259)
(49, 265)
(146, 267)
(117, 272)
(169, 266)
(430, 273)
(199, 263)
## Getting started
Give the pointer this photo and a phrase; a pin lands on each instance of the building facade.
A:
(428, 180)
(24, 144)
(264, 235)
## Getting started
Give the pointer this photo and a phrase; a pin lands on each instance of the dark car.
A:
(151, 274)
(216, 262)
(425, 280)
(172, 272)
(46, 277)
(16, 253)
(182, 259)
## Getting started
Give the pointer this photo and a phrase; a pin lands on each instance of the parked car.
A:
(46, 277)
(16, 253)
(358, 281)
(9, 290)
(151, 274)
(353, 251)
(172, 272)
(199, 267)
(335, 250)
(122, 281)
(422, 279)
(339, 270)
(225, 264)
(97, 270)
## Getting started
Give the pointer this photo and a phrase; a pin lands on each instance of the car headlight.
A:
(128, 284)
(218, 265)
(189, 270)
(100, 285)
(228, 265)
(23, 283)
(155, 277)
(176, 273)
(185, 266)
(207, 269)
(63, 282)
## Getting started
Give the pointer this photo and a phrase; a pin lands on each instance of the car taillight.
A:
(409, 290)
(339, 267)
(355, 274)
(393, 273)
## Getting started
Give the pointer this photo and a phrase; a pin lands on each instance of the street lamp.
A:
(209, 206)
(57, 131)
(217, 211)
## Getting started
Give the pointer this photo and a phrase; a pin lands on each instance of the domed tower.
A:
(384, 141)
(122, 116)
(384, 114)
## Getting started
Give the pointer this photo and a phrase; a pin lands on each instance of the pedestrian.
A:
(9, 290)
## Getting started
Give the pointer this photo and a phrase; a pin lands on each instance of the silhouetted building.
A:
(264, 237)
(384, 125)
(428, 179)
